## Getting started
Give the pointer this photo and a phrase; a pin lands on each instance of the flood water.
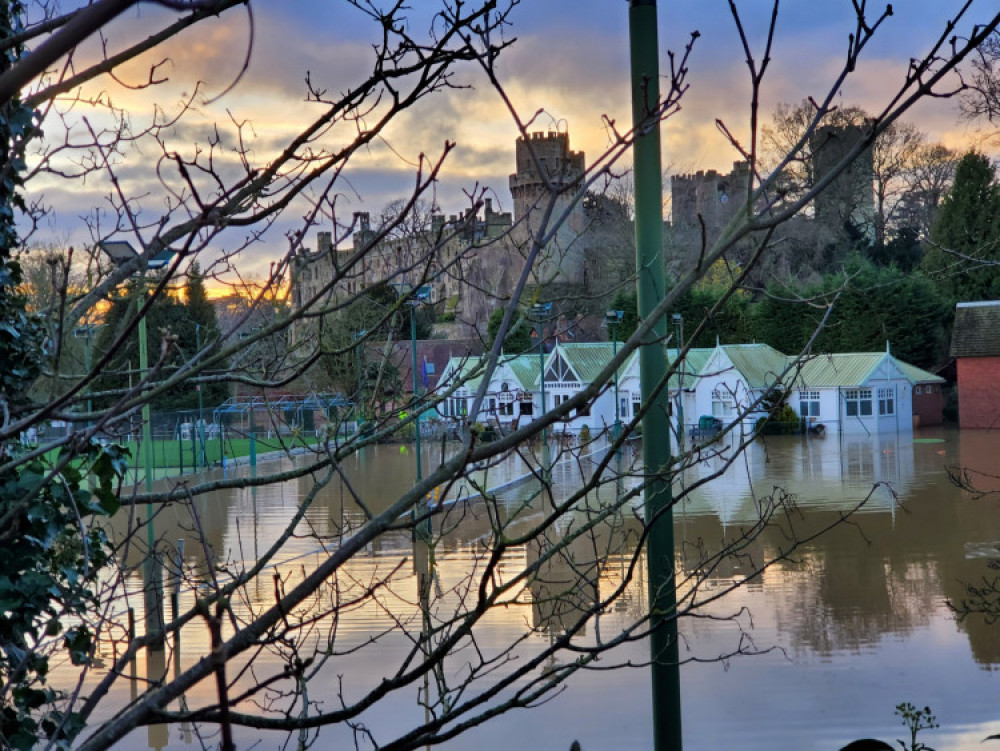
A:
(847, 626)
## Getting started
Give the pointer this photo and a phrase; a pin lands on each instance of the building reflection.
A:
(887, 572)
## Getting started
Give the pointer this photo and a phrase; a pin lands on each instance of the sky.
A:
(569, 61)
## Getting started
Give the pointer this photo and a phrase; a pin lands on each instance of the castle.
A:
(703, 204)
(469, 264)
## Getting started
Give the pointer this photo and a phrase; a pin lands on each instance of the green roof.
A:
(525, 369)
(759, 364)
(587, 359)
(854, 368)
(918, 375)
(694, 362)
(834, 370)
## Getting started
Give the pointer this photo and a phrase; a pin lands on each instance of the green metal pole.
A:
(253, 438)
(652, 367)
(147, 426)
(679, 323)
(614, 354)
(413, 347)
(546, 459)
(423, 529)
(201, 418)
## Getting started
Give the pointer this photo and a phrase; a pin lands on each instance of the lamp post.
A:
(359, 361)
(420, 296)
(122, 252)
(201, 419)
(540, 310)
(613, 319)
(679, 325)
(87, 332)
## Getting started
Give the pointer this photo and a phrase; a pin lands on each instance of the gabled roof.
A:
(433, 355)
(587, 359)
(525, 369)
(847, 369)
(759, 364)
(694, 362)
(976, 332)
(917, 375)
(837, 370)
(469, 370)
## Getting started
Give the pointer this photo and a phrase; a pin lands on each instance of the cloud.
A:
(570, 60)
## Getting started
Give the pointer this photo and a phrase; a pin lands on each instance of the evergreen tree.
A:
(903, 251)
(195, 324)
(518, 338)
(628, 303)
(174, 331)
(730, 324)
(873, 307)
(963, 257)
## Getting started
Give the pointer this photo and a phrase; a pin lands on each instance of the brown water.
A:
(857, 619)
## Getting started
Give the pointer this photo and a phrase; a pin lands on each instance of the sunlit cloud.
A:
(571, 65)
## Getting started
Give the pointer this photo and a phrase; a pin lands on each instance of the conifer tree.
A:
(963, 256)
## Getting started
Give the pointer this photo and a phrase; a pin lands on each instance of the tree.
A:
(216, 210)
(965, 240)
(865, 308)
(518, 339)
(982, 99)
(907, 175)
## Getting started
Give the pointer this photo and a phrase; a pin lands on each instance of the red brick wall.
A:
(979, 392)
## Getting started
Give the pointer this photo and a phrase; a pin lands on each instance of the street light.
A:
(201, 418)
(679, 325)
(540, 311)
(420, 295)
(121, 252)
(358, 337)
(86, 331)
(613, 319)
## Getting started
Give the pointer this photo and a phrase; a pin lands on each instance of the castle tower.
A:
(553, 169)
(562, 167)
(850, 199)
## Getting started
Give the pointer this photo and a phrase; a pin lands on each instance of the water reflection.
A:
(859, 612)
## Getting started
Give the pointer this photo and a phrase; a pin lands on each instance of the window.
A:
(723, 402)
(886, 402)
(527, 408)
(623, 408)
(506, 399)
(858, 402)
(808, 404)
(584, 411)
(918, 390)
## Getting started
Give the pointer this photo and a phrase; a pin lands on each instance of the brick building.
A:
(975, 345)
